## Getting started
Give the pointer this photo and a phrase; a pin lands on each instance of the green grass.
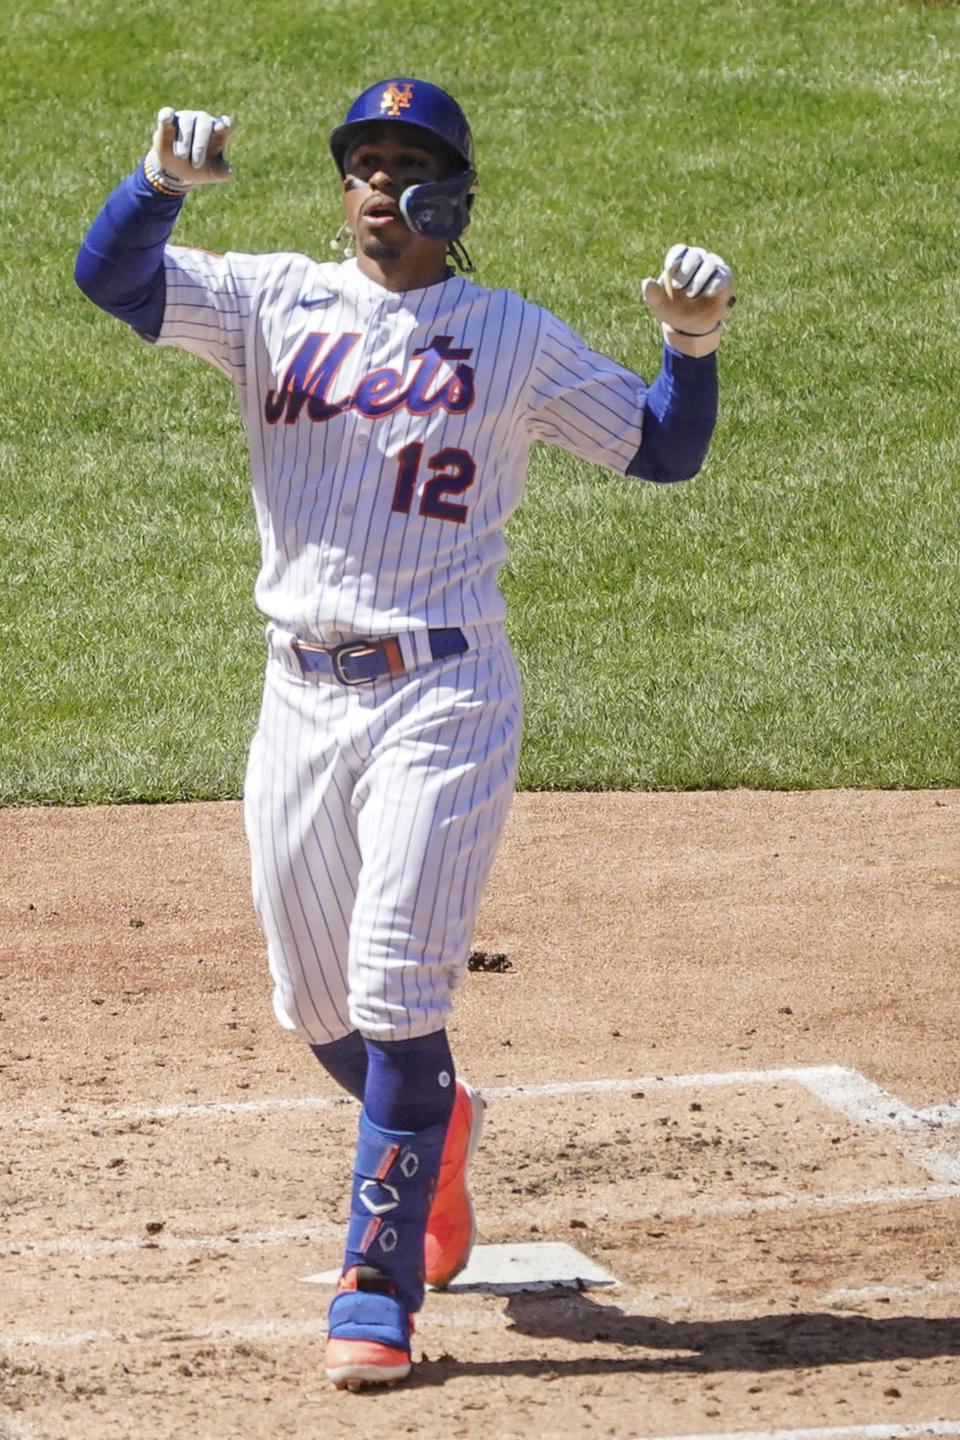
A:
(789, 619)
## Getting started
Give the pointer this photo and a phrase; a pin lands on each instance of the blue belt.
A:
(360, 662)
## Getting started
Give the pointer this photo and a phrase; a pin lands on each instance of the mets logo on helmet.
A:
(396, 98)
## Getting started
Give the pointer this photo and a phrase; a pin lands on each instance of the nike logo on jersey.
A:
(316, 304)
(436, 379)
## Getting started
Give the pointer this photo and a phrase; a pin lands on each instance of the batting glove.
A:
(188, 149)
(691, 298)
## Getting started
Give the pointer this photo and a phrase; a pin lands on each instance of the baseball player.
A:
(389, 405)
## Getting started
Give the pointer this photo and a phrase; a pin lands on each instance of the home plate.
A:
(505, 1269)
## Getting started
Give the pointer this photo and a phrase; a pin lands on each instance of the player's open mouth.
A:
(380, 212)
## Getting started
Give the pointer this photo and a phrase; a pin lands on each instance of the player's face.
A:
(378, 171)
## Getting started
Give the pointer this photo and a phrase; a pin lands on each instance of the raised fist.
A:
(188, 149)
(691, 297)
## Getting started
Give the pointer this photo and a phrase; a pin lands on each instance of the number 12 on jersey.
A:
(455, 471)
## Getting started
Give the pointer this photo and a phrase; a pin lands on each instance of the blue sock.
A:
(409, 1083)
(345, 1060)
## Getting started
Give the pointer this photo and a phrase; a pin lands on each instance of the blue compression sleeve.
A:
(410, 1082)
(120, 264)
(679, 419)
(345, 1061)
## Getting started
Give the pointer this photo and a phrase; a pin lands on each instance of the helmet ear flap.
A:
(440, 209)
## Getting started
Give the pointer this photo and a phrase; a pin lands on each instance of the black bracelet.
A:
(695, 334)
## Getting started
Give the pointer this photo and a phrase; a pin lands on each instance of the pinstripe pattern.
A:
(336, 559)
(396, 794)
(388, 437)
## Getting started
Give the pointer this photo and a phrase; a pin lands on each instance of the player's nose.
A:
(383, 180)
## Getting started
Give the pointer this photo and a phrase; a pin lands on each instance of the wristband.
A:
(161, 179)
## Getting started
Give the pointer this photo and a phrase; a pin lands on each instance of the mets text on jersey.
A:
(312, 372)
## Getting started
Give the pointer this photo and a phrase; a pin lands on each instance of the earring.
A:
(460, 256)
(343, 240)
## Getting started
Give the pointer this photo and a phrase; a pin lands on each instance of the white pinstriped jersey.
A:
(389, 432)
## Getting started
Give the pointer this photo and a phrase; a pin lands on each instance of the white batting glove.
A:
(188, 150)
(691, 298)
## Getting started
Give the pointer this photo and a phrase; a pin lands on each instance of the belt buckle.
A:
(344, 652)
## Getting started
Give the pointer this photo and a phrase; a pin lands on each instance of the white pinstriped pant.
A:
(373, 814)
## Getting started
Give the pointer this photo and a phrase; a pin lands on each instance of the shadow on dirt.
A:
(765, 1342)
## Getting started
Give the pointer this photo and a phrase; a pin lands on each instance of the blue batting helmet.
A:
(406, 102)
(438, 208)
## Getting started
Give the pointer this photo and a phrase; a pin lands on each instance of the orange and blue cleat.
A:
(452, 1226)
(369, 1338)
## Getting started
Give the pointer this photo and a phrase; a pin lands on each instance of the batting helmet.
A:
(438, 208)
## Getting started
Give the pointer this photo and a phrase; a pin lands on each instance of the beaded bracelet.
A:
(161, 179)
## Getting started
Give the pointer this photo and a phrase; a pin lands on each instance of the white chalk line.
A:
(84, 1248)
(89, 1248)
(455, 1312)
(151, 1114)
(920, 1431)
(262, 1330)
(863, 1294)
(764, 1204)
(838, 1086)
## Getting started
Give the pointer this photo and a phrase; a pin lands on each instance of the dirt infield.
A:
(723, 1063)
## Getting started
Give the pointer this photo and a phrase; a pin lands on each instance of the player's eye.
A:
(364, 162)
(405, 166)
(416, 163)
